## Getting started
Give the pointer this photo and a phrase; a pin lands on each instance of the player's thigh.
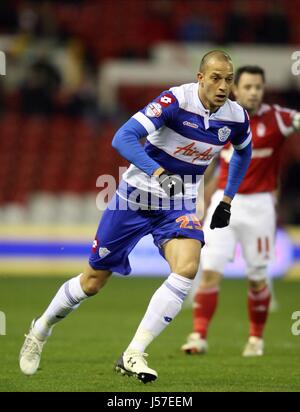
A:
(219, 248)
(257, 236)
(118, 233)
(219, 243)
(179, 236)
(183, 255)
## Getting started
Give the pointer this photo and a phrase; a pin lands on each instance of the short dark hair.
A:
(218, 53)
(251, 70)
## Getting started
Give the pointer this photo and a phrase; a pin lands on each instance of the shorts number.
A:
(263, 246)
(189, 222)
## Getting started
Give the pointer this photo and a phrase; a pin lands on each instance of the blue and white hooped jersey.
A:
(184, 136)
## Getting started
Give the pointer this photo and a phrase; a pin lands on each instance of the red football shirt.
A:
(270, 126)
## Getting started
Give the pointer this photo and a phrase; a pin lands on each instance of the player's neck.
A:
(252, 112)
(206, 104)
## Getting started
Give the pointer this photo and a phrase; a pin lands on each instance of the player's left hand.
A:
(171, 184)
(221, 216)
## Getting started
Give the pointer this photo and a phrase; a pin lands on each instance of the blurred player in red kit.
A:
(253, 223)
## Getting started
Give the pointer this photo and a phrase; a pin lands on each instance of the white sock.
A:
(164, 305)
(67, 299)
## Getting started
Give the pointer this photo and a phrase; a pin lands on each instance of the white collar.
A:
(198, 104)
(201, 109)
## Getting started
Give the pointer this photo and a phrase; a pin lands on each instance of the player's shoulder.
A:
(185, 95)
(267, 110)
(283, 110)
(283, 117)
(231, 111)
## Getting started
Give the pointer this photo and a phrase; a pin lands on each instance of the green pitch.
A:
(81, 353)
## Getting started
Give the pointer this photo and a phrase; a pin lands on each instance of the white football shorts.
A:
(252, 224)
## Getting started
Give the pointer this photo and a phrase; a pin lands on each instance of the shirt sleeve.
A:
(240, 159)
(284, 118)
(238, 167)
(146, 121)
(243, 135)
(159, 112)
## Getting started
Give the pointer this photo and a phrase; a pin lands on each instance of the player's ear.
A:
(200, 78)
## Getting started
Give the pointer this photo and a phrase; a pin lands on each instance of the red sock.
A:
(205, 303)
(258, 308)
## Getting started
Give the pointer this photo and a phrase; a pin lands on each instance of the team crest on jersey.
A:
(261, 130)
(224, 133)
(153, 110)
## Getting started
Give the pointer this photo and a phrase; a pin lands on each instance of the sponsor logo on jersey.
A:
(224, 133)
(189, 124)
(166, 99)
(95, 245)
(191, 150)
(103, 251)
(153, 110)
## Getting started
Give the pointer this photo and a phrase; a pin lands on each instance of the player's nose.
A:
(223, 86)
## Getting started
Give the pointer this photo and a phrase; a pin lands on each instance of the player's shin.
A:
(258, 307)
(163, 307)
(205, 303)
(66, 300)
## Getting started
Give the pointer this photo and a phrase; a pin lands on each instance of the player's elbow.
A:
(248, 153)
(245, 153)
(249, 149)
(123, 138)
(116, 141)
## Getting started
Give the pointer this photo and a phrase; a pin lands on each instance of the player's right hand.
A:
(221, 216)
(172, 184)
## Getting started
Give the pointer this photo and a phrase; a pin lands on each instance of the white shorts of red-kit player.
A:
(252, 225)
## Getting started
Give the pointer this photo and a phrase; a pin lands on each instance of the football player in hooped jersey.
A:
(253, 220)
(185, 127)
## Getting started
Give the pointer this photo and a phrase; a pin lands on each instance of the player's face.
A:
(249, 91)
(215, 84)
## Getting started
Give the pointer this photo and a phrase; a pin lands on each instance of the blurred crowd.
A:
(58, 46)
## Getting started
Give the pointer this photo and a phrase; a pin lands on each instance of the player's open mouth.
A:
(221, 96)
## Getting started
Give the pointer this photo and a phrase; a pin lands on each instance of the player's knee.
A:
(210, 279)
(257, 277)
(91, 286)
(187, 269)
(93, 281)
(257, 285)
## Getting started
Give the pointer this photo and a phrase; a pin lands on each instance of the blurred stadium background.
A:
(75, 70)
